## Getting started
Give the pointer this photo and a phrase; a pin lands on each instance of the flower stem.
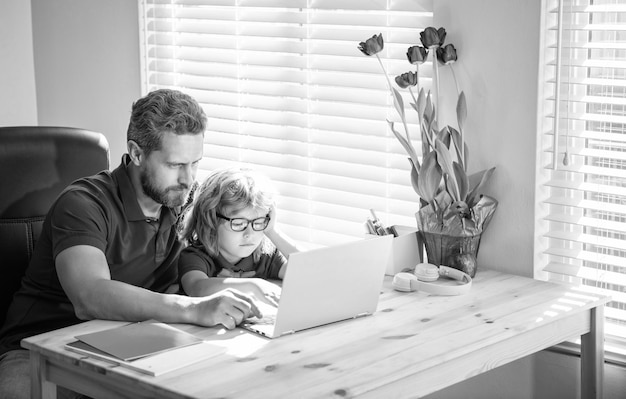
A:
(456, 83)
(400, 111)
(419, 117)
(417, 79)
(417, 87)
(384, 71)
(436, 76)
(458, 94)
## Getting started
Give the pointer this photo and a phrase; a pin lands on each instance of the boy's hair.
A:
(161, 111)
(232, 188)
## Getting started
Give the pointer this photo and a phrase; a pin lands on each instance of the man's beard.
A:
(163, 196)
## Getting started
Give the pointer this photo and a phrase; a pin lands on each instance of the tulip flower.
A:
(407, 79)
(431, 37)
(446, 54)
(450, 199)
(417, 54)
(373, 45)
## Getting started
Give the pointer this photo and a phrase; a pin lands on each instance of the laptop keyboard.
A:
(269, 316)
(266, 320)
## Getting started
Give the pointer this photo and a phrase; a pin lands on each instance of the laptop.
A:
(327, 285)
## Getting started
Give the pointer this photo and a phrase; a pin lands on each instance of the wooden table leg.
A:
(592, 356)
(40, 388)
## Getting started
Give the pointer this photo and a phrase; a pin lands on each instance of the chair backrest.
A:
(36, 164)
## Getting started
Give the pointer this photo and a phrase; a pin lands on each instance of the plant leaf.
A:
(426, 144)
(456, 139)
(444, 136)
(414, 178)
(408, 146)
(398, 102)
(430, 176)
(445, 160)
(428, 111)
(433, 127)
(461, 111)
(421, 102)
(426, 122)
(461, 180)
(478, 180)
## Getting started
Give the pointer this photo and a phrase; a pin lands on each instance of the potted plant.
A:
(453, 212)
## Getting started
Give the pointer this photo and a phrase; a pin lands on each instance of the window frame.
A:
(556, 42)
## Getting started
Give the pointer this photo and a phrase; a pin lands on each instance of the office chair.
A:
(36, 164)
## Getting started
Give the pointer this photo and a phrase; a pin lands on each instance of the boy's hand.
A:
(260, 289)
(228, 307)
(264, 291)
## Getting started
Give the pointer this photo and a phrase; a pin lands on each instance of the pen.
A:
(373, 214)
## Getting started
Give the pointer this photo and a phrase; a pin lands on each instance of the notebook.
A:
(327, 285)
(136, 340)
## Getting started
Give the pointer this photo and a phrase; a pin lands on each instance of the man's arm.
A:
(84, 274)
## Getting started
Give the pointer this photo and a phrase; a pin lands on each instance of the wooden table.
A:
(415, 344)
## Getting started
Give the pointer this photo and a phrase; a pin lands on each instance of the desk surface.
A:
(413, 345)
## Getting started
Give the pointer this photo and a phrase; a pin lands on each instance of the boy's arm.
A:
(197, 283)
(283, 242)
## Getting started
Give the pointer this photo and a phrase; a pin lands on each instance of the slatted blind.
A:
(288, 92)
(584, 198)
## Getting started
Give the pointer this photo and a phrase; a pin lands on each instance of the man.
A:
(109, 248)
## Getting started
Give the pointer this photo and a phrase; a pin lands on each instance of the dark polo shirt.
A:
(195, 257)
(101, 211)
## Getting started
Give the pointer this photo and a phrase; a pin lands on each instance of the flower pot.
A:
(459, 252)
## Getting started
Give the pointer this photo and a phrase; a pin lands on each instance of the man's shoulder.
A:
(99, 186)
(99, 191)
(102, 179)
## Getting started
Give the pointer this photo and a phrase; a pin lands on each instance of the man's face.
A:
(167, 175)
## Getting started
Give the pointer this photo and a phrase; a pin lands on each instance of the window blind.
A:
(287, 92)
(582, 183)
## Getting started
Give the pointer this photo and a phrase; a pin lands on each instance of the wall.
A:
(87, 65)
(18, 100)
(498, 48)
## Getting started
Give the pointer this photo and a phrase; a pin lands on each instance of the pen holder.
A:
(406, 250)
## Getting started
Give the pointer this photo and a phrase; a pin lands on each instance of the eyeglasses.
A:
(240, 224)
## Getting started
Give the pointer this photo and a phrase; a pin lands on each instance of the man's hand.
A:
(228, 307)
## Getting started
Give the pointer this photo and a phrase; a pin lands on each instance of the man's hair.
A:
(163, 111)
(231, 187)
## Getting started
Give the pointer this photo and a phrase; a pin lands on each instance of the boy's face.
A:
(168, 174)
(236, 245)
